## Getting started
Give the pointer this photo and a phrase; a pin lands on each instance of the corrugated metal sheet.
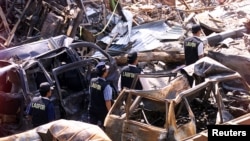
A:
(147, 36)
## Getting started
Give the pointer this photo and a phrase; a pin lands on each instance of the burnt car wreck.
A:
(177, 111)
(64, 68)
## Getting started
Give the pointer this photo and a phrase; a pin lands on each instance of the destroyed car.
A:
(72, 86)
(80, 50)
(177, 111)
(70, 94)
(17, 89)
(72, 69)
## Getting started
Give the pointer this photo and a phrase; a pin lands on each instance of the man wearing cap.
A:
(41, 108)
(193, 46)
(129, 72)
(100, 95)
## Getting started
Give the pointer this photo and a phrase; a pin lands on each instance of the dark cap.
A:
(196, 28)
(45, 87)
(101, 67)
(131, 57)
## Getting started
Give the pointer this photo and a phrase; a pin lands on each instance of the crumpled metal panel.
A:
(160, 30)
(239, 64)
(148, 36)
(32, 49)
(134, 132)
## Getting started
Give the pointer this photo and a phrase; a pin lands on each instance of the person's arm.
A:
(29, 111)
(108, 96)
(119, 84)
(108, 104)
(201, 50)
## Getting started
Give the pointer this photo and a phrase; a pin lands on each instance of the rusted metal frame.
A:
(137, 76)
(157, 75)
(190, 112)
(131, 103)
(208, 91)
(204, 84)
(127, 106)
(134, 81)
(192, 90)
(134, 103)
(144, 116)
(12, 33)
(166, 115)
(218, 101)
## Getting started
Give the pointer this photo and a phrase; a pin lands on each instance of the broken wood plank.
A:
(12, 33)
(5, 23)
(185, 3)
(214, 18)
(153, 56)
(200, 9)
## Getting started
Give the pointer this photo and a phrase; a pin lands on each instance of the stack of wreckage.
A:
(61, 41)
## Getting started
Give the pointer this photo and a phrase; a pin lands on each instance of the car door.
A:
(72, 87)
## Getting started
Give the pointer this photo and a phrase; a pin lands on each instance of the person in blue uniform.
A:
(193, 46)
(100, 96)
(41, 110)
(129, 72)
(193, 50)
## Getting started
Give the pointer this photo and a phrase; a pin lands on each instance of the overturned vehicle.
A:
(178, 110)
(65, 68)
